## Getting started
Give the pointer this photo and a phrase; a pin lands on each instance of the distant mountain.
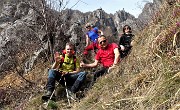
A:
(149, 12)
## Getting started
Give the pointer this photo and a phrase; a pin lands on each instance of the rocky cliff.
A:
(149, 12)
(30, 30)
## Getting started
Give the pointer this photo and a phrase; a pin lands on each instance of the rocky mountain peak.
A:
(148, 11)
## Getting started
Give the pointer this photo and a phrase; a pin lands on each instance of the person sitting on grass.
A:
(108, 55)
(91, 38)
(65, 68)
(125, 41)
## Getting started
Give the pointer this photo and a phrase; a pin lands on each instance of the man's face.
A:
(69, 50)
(88, 28)
(102, 42)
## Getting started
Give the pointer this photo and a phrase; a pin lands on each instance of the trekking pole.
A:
(52, 93)
(67, 94)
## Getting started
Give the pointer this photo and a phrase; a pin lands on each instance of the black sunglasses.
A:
(88, 26)
(69, 49)
(102, 41)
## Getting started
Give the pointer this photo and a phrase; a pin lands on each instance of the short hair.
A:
(102, 36)
(88, 25)
(124, 28)
(70, 44)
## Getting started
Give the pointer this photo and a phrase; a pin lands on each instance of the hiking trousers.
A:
(100, 72)
(73, 80)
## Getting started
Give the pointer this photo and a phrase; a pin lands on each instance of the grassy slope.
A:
(150, 77)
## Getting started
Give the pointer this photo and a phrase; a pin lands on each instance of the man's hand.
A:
(122, 47)
(111, 68)
(57, 57)
(82, 64)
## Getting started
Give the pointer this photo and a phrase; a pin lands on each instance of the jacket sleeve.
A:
(121, 40)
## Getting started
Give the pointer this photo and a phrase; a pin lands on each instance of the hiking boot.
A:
(47, 96)
(76, 86)
(80, 94)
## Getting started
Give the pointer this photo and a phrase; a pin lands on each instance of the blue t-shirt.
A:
(93, 34)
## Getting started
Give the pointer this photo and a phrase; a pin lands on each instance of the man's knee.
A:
(81, 76)
(52, 73)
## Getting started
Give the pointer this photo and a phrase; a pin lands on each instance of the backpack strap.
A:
(74, 58)
(62, 61)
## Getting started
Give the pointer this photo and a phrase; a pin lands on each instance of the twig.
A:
(94, 105)
(177, 93)
(75, 4)
(83, 2)
(132, 98)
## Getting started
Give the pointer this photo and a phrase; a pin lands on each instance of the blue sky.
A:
(134, 7)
